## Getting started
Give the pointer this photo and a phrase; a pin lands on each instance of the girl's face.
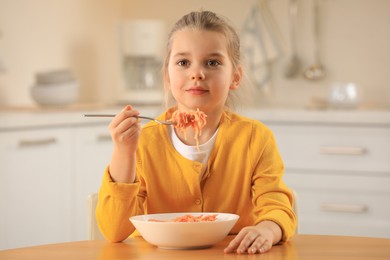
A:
(200, 72)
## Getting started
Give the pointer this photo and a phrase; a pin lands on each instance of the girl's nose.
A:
(197, 75)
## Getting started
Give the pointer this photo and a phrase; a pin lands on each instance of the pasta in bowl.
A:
(184, 230)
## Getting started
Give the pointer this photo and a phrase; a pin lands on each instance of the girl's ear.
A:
(237, 77)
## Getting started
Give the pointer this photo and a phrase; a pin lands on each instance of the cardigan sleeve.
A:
(117, 202)
(273, 200)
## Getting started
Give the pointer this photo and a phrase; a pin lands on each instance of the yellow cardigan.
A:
(243, 176)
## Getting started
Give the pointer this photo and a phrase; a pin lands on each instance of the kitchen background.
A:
(336, 158)
(45, 35)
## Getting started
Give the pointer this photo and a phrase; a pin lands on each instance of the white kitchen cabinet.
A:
(92, 148)
(341, 174)
(47, 174)
(341, 204)
(35, 185)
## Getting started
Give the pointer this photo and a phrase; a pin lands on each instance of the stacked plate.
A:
(57, 87)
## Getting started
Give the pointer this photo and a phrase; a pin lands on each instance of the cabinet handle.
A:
(347, 208)
(104, 138)
(37, 142)
(342, 150)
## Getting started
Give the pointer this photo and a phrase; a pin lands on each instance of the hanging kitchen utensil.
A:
(254, 49)
(293, 63)
(260, 44)
(317, 70)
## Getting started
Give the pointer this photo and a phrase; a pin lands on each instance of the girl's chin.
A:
(191, 106)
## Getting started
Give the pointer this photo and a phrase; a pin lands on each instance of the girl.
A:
(236, 168)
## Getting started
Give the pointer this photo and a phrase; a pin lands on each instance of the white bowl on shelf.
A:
(56, 94)
(183, 235)
(48, 78)
(344, 95)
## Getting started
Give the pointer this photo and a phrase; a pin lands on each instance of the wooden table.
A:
(300, 247)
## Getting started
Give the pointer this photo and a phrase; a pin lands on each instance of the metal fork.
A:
(162, 122)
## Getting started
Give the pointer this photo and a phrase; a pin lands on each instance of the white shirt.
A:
(191, 152)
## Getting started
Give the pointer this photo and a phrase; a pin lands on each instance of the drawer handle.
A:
(342, 150)
(37, 142)
(104, 138)
(347, 208)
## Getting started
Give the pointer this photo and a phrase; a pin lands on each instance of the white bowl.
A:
(344, 95)
(56, 94)
(54, 76)
(184, 235)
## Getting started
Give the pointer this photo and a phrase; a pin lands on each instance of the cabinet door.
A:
(341, 175)
(35, 180)
(332, 148)
(92, 153)
(336, 203)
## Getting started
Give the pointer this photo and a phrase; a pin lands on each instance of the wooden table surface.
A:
(300, 247)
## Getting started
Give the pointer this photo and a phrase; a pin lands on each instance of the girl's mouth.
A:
(197, 90)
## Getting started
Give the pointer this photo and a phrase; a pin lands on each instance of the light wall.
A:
(44, 35)
(82, 34)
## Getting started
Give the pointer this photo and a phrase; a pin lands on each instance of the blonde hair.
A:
(208, 21)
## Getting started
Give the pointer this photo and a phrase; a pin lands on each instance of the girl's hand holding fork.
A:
(125, 130)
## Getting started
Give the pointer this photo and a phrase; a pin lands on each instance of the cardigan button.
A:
(198, 201)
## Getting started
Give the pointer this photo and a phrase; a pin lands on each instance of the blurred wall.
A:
(41, 35)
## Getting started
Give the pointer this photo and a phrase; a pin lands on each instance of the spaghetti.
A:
(185, 119)
(189, 218)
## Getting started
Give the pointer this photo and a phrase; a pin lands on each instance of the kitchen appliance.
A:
(141, 60)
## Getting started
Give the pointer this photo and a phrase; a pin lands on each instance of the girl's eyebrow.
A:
(180, 54)
(217, 54)
(213, 54)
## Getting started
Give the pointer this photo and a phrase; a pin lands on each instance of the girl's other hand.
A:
(255, 239)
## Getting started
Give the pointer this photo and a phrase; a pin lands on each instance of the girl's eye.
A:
(213, 63)
(183, 62)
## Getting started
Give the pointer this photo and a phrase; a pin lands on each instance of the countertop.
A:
(35, 117)
(299, 247)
